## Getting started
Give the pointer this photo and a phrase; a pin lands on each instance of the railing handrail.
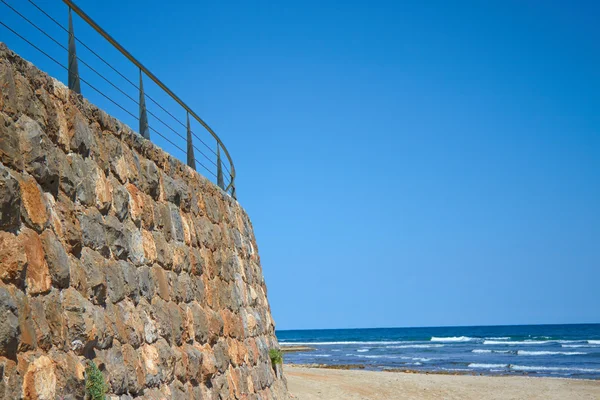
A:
(131, 58)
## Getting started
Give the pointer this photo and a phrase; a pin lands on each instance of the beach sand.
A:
(327, 384)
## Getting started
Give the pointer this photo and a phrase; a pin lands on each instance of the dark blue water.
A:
(569, 351)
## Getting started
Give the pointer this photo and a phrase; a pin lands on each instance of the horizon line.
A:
(439, 326)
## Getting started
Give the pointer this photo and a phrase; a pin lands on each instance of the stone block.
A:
(10, 201)
(39, 381)
(130, 280)
(93, 231)
(136, 203)
(117, 238)
(130, 326)
(9, 328)
(120, 202)
(149, 247)
(83, 140)
(38, 154)
(134, 369)
(43, 334)
(37, 278)
(115, 282)
(151, 181)
(34, 209)
(94, 267)
(57, 259)
(13, 260)
(164, 252)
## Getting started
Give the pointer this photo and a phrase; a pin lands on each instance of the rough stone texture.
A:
(114, 251)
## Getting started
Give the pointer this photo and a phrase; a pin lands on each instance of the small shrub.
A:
(276, 356)
(95, 387)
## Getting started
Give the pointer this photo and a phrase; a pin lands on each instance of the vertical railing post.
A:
(220, 180)
(191, 160)
(144, 128)
(73, 69)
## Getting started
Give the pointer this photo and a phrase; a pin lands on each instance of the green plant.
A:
(276, 356)
(94, 382)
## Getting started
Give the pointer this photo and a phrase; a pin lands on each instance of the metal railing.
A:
(145, 129)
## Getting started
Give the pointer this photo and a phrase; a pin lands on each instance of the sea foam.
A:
(452, 339)
(487, 366)
(282, 343)
(540, 368)
(516, 343)
(485, 351)
(549, 353)
(414, 346)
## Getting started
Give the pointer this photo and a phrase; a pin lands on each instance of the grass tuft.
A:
(276, 356)
(95, 387)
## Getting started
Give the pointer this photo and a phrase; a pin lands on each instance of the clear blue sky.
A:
(403, 163)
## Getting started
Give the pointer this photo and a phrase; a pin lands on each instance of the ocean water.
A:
(567, 351)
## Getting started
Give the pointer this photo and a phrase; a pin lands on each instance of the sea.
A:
(565, 351)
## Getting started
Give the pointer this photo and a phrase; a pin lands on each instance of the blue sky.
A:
(403, 163)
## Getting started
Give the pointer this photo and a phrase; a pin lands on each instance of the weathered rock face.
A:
(112, 250)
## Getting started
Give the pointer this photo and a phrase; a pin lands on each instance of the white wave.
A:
(487, 366)
(490, 351)
(534, 368)
(453, 369)
(340, 343)
(587, 346)
(421, 359)
(322, 355)
(364, 356)
(362, 350)
(528, 342)
(498, 338)
(594, 341)
(549, 353)
(414, 346)
(395, 357)
(452, 339)
(516, 343)
(417, 363)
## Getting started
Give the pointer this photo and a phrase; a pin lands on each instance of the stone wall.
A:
(113, 251)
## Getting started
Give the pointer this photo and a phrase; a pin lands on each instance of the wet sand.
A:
(327, 384)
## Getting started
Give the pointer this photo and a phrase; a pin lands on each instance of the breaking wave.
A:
(549, 353)
(487, 366)
(452, 339)
(537, 368)
(485, 351)
(339, 343)
(414, 346)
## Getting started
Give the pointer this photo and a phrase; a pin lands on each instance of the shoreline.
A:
(363, 367)
(295, 349)
(311, 383)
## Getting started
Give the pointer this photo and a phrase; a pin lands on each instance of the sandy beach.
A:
(327, 384)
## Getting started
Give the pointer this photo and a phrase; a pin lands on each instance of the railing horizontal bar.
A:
(112, 41)
(109, 82)
(120, 74)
